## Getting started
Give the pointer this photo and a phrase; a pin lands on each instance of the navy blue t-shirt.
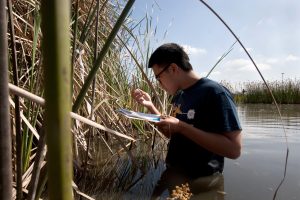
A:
(208, 106)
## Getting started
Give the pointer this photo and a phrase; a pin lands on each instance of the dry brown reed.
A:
(113, 83)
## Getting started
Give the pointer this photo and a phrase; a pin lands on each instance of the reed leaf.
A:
(33, 81)
(101, 55)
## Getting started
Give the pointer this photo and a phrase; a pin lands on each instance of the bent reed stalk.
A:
(269, 90)
(32, 97)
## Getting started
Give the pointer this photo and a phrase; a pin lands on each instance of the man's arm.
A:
(227, 144)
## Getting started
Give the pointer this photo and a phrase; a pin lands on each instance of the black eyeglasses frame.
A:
(160, 73)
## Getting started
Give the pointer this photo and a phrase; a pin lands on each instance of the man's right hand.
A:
(142, 98)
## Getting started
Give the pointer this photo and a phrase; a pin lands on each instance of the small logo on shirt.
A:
(176, 111)
(191, 114)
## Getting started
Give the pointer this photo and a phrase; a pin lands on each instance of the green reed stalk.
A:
(31, 112)
(75, 26)
(221, 58)
(5, 141)
(100, 58)
(91, 131)
(56, 50)
(88, 22)
(37, 166)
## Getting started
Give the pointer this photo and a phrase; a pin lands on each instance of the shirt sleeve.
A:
(226, 117)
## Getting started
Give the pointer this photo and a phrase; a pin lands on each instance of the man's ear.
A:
(174, 67)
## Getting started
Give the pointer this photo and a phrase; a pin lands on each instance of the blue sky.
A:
(269, 29)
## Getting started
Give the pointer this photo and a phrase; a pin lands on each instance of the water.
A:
(259, 170)
(255, 175)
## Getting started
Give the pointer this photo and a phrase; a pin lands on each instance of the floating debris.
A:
(182, 192)
(221, 192)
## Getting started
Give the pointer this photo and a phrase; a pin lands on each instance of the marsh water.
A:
(259, 170)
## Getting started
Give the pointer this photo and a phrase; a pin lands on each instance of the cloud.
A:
(292, 58)
(216, 73)
(265, 21)
(193, 51)
(248, 49)
(260, 22)
(245, 65)
(242, 69)
(272, 60)
(251, 67)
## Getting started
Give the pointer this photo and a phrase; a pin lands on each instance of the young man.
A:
(203, 127)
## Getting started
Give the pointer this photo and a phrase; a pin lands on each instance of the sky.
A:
(269, 30)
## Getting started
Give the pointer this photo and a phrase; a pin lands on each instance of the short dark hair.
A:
(170, 53)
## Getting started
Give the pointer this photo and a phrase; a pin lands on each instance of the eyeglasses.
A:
(162, 71)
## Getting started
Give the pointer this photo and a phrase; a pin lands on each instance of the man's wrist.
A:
(180, 126)
(152, 109)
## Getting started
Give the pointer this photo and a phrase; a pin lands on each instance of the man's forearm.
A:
(227, 145)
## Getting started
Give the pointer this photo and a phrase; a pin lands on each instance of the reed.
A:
(5, 134)
(285, 92)
(115, 65)
(57, 66)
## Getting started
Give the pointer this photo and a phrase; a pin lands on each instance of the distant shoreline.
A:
(285, 92)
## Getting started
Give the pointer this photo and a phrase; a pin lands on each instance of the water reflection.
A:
(263, 120)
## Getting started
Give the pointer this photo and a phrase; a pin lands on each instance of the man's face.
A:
(164, 74)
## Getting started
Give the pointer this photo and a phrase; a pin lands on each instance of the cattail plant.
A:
(56, 50)
(5, 141)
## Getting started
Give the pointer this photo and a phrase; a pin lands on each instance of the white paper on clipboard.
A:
(139, 115)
